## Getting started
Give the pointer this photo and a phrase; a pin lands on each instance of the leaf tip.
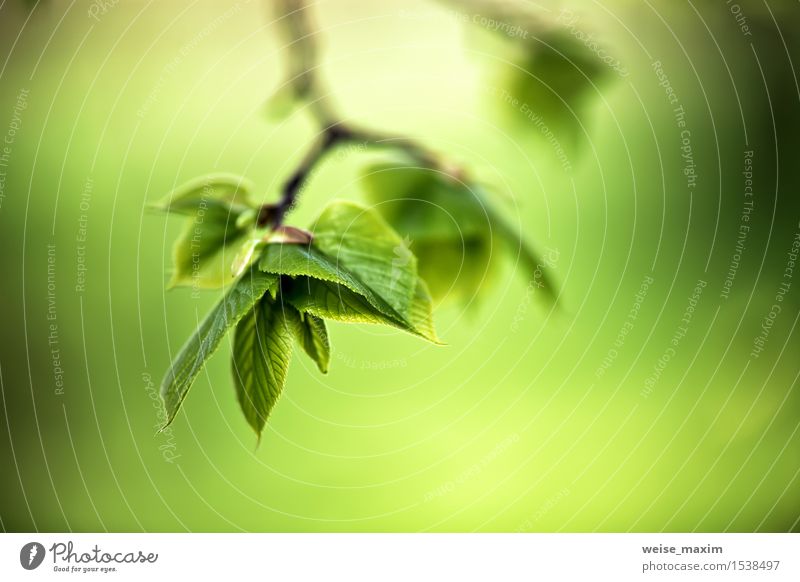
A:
(156, 207)
(259, 430)
(167, 422)
(433, 338)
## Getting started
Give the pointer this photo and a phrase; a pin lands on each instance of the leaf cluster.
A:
(285, 285)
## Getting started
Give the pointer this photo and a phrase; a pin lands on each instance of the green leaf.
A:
(552, 82)
(537, 269)
(456, 269)
(305, 260)
(544, 63)
(219, 218)
(422, 312)
(357, 269)
(454, 233)
(331, 300)
(301, 260)
(224, 191)
(361, 241)
(312, 335)
(281, 103)
(220, 215)
(203, 253)
(250, 251)
(238, 301)
(262, 350)
(420, 202)
(247, 255)
(447, 222)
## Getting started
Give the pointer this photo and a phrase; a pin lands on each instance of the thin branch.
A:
(303, 68)
(272, 214)
(410, 147)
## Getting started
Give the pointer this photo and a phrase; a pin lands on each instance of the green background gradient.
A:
(510, 426)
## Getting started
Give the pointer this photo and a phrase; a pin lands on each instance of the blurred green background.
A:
(582, 418)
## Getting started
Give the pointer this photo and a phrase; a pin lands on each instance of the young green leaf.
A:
(220, 216)
(238, 301)
(456, 269)
(262, 349)
(356, 269)
(282, 102)
(203, 254)
(224, 190)
(331, 300)
(247, 255)
(361, 241)
(312, 335)
(421, 313)
(536, 268)
(308, 261)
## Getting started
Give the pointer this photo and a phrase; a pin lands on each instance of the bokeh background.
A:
(661, 394)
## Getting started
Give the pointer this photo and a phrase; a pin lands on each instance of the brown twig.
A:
(299, 35)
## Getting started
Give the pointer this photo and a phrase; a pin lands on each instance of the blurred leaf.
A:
(203, 253)
(31, 4)
(447, 224)
(193, 355)
(247, 218)
(262, 349)
(455, 269)
(536, 267)
(312, 335)
(552, 82)
(216, 190)
(281, 103)
(454, 233)
(437, 203)
(551, 65)
(220, 215)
